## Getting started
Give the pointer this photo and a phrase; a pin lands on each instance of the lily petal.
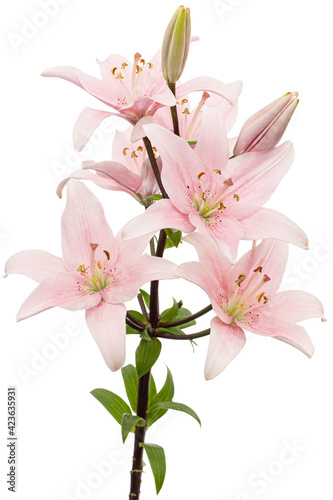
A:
(85, 175)
(107, 325)
(225, 342)
(83, 222)
(296, 305)
(36, 264)
(209, 85)
(161, 215)
(268, 223)
(61, 290)
(86, 124)
(212, 146)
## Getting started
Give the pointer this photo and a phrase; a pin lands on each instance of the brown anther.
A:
(99, 265)
(79, 269)
(201, 174)
(113, 71)
(184, 101)
(240, 279)
(142, 61)
(218, 171)
(236, 196)
(150, 65)
(134, 155)
(83, 268)
(107, 254)
(260, 296)
(221, 206)
(265, 299)
(186, 111)
(138, 69)
(123, 66)
(202, 195)
(259, 268)
(140, 148)
(124, 151)
(119, 76)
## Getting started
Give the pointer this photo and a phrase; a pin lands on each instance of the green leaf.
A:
(171, 313)
(130, 330)
(171, 405)
(145, 336)
(165, 394)
(139, 316)
(146, 297)
(192, 143)
(128, 423)
(156, 457)
(131, 382)
(174, 237)
(153, 197)
(114, 404)
(174, 330)
(184, 313)
(152, 390)
(146, 355)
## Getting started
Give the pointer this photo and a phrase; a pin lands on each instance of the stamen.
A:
(99, 265)
(123, 66)
(134, 155)
(124, 151)
(184, 101)
(240, 279)
(236, 196)
(140, 148)
(204, 98)
(201, 174)
(218, 171)
(260, 296)
(107, 254)
(138, 69)
(119, 76)
(150, 65)
(259, 269)
(186, 111)
(114, 70)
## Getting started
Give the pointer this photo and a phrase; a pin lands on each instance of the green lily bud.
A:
(176, 43)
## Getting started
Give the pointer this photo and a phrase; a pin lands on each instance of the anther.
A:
(150, 65)
(186, 111)
(260, 296)
(259, 268)
(107, 254)
(113, 71)
(184, 101)
(134, 155)
(119, 76)
(201, 174)
(142, 61)
(123, 66)
(124, 151)
(236, 196)
(218, 171)
(138, 69)
(240, 279)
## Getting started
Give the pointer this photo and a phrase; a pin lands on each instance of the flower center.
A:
(247, 297)
(209, 202)
(132, 84)
(96, 276)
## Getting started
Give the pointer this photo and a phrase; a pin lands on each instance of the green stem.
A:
(154, 166)
(173, 109)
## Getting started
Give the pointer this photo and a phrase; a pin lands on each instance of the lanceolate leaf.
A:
(130, 330)
(128, 422)
(131, 381)
(146, 297)
(114, 404)
(174, 238)
(152, 390)
(146, 355)
(171, 313)
(165, 394)
(171, 405)
(174, 330)
(156, 457)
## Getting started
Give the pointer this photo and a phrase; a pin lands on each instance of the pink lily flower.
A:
(98, 272)
(130, 171)
(214, 194)
(245, 296)
(133, 90)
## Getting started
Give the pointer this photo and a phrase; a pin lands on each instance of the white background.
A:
(271, 397)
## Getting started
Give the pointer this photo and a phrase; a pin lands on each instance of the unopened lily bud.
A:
(176, 43)
(265, 128)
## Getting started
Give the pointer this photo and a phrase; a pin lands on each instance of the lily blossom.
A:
(214, 194)
(130, 171)
(98, 272)
(245, 296)
(133, 90)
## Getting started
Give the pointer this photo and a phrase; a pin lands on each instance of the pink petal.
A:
(122, 176)
(164, 97)
(209, 85)
(212, 146)
(202, 275)
(103, 182)
(225, 342)
(83, 222)
(100, 89)
(272, 256)
(138, 131)
(163, 214)
(60, 290)
(298, 337)
(229, 111)
(86, 125)
(36, 264)
(107, 325)
(268, 223)
(255, 176)
(181, 166)
(130, 278)
(296, 305)
(226, 230)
